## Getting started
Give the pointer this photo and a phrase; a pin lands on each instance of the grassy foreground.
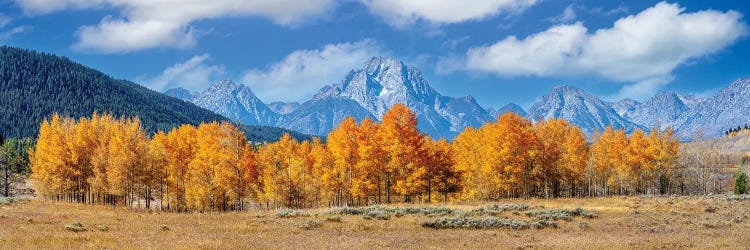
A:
(622, 222)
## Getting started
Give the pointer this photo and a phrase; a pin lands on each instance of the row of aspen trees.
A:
(211, 167)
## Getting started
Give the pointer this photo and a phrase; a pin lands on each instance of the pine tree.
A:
(740, 184)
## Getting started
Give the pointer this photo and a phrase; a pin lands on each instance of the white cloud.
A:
(641, 90)
(542, 54)
(166, 23)
(302, 73)
(400, 13)
(7, 34)
(4, 20)
(452, 44)
(194, 74)
(38, 7)
(568, 15)
(642, 49)
(117, 35)
(618, 10)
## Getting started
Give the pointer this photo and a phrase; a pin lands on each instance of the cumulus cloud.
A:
(399, 13)
(166, 23)
(542, 54)
(644, 48)
(194, 74)
(300, 74)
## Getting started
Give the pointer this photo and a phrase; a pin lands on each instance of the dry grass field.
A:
(622, 222)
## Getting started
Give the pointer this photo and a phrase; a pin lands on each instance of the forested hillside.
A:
(257, 133)
(34, 85)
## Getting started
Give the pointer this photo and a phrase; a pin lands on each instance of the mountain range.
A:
(35, 85)
(364, 93)
(382, 82)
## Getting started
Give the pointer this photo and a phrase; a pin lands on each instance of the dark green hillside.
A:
(34, 85)
(268, 134)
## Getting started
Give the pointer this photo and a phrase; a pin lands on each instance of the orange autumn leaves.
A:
(515, 158)
(212, 167)
(104, 160)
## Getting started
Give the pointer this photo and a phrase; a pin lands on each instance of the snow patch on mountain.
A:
(580, 108)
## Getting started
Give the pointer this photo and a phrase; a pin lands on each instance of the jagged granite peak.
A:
(624, 107)
(383, 82)
(320, 116)
(510, 107)
(691, 101)
(580, 108)
(663, 110)
(727, 109)
(236, 102)
(283, 108)
(180, 93)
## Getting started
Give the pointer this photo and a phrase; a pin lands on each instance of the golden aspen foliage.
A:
(470, 156)
(572, 164)
(282, 168)
(212, 167)
(50, 159)
(442, 175)
(319, 160)
(513, 147)
(342, 145)
(158, 167)
(370, 168)
(181, 149)
(404, 152)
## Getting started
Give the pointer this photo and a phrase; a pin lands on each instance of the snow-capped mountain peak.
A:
(383, 82)
(625, 106)
(510, 107)
(236, 102)
(662, 111)
(712, 116)
(580, 108)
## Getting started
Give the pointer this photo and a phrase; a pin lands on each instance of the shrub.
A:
(738, 197)
(740, 184)
(346, 211)
(6, 200)
(470, 223)
(289, 213)
(310, 224)
(560, 214)
(395, 211)
(378, 214)
(75, 227)
(497, 209)
(544, 223)
(10, 200)
(333, 218)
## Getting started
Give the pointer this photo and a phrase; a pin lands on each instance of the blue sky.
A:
(498, 51)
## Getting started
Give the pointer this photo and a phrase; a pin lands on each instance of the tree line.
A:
(14, 165)
(212, 167)
(33, 85)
